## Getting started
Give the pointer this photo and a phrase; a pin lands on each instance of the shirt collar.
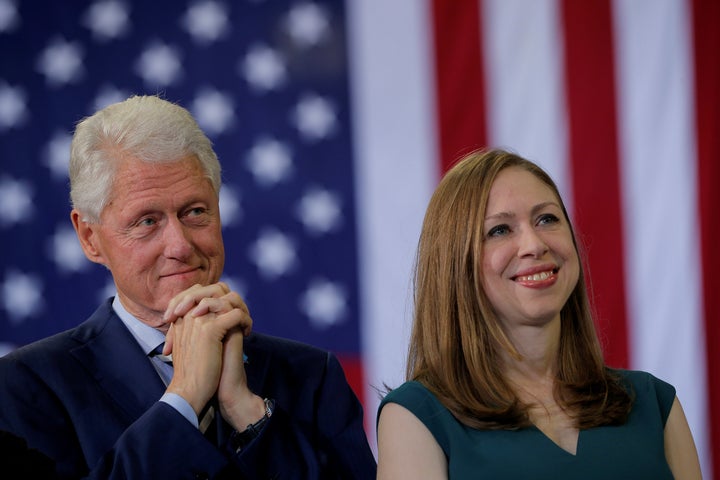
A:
(147, 337)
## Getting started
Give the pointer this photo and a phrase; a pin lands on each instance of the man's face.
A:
(159, 234)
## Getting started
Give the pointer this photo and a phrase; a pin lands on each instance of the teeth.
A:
(535, 277)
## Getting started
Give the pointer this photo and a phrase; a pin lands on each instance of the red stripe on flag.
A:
(593, 153)
(706, 18)
(460, 83)
(352, 366)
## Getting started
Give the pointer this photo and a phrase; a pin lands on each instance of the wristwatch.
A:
(240, 440)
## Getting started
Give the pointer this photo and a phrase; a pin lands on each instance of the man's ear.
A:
(86, 233)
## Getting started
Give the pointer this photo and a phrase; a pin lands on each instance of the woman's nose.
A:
(531, 243)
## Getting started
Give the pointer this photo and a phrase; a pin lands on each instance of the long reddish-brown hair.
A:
(456, 341)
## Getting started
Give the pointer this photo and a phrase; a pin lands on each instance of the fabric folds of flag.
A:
(618, 100)
(334, 120)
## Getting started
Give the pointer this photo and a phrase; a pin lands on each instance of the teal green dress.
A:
(634, 450)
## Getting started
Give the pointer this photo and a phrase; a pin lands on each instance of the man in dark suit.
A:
(166, 380)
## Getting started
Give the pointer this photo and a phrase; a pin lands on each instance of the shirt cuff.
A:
(182, 406)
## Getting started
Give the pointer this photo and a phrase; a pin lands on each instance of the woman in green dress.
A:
(505, 372)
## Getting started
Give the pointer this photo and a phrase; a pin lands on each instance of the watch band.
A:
(239, 440)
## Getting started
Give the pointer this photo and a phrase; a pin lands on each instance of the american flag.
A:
(334, 121)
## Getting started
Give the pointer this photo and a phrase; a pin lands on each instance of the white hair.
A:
(147, 128)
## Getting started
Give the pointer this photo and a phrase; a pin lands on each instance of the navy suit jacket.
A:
(88, 399)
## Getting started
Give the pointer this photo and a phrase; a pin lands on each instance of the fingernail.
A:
(180, 307)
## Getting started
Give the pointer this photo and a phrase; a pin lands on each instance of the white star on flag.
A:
(307, 24)
(213, 110)
(107, 19)
(9, 19)
(206, 21)
(58, 155)
(273, 253)
(230, 211)
(15, 201)
(263, 68)
(269, 161)
(107, 95)
(324, 303)
(21, 295)
(61, 62)
(159, 65)
(13, 109)
(319, 211)
(314, 117)
(65, 250)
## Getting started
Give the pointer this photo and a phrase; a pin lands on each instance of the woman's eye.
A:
(548, 218)
(498, 230)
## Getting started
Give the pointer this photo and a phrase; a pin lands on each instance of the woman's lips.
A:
(536, 277)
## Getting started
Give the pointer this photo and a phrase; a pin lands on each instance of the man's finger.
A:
(169, 337)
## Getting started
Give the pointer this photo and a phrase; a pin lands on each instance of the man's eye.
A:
(147, 222)
(195, 214)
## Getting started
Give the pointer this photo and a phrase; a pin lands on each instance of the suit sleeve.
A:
(330, 443)
(159, 444)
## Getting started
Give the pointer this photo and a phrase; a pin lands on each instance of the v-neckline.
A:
(558, 446)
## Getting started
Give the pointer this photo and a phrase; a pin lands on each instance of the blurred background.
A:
(334, 121)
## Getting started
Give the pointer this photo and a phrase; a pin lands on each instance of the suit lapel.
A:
(112, 356)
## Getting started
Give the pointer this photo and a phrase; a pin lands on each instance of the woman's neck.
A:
(537, 347)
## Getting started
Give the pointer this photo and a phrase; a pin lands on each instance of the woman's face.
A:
(530, 265)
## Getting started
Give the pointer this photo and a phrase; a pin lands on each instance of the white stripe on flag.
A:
(395, 158)
(658, 151)
(526, 101)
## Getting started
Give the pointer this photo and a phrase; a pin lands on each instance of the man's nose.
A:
(177, 238)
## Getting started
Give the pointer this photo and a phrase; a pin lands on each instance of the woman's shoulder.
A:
(417, 398)
(408, 394)
(425, 406)
(646, 387)
(640, 379)
(411, 388)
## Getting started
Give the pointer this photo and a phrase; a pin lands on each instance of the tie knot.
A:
(157, 352)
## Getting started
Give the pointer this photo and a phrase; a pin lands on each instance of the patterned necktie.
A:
(207, 415)
(157, 353)
(163, 363)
